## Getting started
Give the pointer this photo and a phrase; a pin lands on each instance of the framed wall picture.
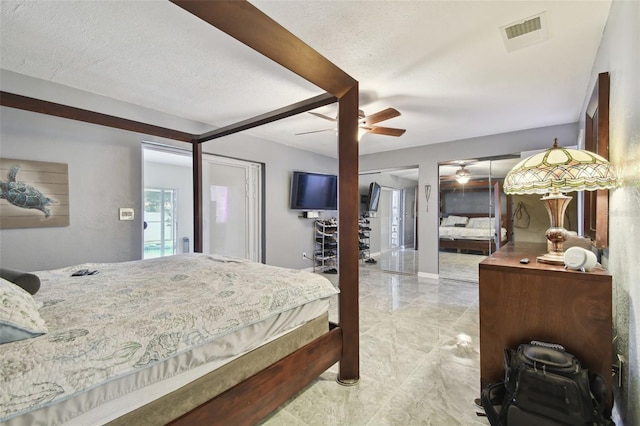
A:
(33, 194)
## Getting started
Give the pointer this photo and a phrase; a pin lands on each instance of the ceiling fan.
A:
(365, 123)
(461, 175)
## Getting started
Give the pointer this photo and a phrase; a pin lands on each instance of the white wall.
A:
(430, 155)
(104, 174)
(619, 54)
(539, 218)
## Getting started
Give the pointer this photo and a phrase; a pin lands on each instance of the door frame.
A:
(257, 238)
(176, 157)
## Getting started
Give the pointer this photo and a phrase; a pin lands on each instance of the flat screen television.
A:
(374, 197)
(313, 191)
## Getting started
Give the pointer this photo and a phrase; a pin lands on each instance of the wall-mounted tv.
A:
(313, 191)
(374, 197)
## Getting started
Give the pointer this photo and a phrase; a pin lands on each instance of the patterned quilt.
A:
(133, 314)
(454, 233)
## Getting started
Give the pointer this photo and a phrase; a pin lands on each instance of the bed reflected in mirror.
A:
(476, 217)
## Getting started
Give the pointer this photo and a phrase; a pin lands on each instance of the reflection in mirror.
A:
(391, 238)
(481, 200)
(475, 215)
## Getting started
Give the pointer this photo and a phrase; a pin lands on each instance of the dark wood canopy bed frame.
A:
(485, 246)
(256, 397)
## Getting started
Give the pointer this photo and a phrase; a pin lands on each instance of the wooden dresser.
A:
(538, 301)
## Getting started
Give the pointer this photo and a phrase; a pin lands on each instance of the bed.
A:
(470, 232)
(275, 382)
(104, 345)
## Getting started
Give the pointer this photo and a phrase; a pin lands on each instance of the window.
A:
(160, 222)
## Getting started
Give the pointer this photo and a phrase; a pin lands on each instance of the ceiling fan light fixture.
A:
(361, 133)
(366, 123)
(463, 175)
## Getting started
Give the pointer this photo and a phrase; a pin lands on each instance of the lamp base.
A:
(556, 204)
(552, 258)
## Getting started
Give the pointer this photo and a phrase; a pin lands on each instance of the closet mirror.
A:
(477, 218)
(388, 219)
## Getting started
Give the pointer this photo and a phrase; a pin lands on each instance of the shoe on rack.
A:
(326, 240)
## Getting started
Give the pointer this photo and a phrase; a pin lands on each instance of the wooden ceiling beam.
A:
(284, 112)
(59, 110)
(247, 24)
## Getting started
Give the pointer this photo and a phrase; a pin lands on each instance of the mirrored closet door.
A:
(475, 214)
(393, 220)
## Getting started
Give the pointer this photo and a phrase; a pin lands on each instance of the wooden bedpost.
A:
(247, 24)
(348, 211)
(197, 196)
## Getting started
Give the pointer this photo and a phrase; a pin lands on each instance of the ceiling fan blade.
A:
(326, 117)
(377, 117)
(316, 131)
(388, 131)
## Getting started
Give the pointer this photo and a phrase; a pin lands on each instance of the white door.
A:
(231, 207)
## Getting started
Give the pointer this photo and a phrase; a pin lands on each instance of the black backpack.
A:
(545, 386)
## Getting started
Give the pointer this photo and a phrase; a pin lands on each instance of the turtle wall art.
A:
(33, 194)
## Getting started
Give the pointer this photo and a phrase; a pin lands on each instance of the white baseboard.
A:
(428, 275)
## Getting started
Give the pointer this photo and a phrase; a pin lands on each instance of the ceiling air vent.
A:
(525, 32)
(524, 28)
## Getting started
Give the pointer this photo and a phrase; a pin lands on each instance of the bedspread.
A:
(463, 233)
(134, 314)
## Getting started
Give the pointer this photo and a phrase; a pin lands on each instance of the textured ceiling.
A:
(442, 64)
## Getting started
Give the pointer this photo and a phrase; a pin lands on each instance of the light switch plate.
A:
(126, 213)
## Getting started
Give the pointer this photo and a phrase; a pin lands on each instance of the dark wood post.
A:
(348, 208)
(197, 197)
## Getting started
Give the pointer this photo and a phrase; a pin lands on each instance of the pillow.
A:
(19, 316)
(481, 222)
(452, 220)
(27, 281)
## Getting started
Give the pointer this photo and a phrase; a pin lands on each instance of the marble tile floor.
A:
(455, 266)
(419, 362)
(459, 266)
(399, 260)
